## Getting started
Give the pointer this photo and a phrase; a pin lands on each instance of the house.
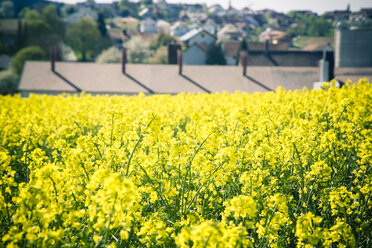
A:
(251, 21)
(118, 37)
(230, 32)
(271, 47)
(196, 54)
(148, 26)
(274, 36)
(124, 21)
(366, 12)
(81, 13)
(178, 29)
(230, 50)
(197, 17)
(198, 36)
(163, 26)
(197, 42)
(211, 26)
(184, 17)
(216, 10)
(146, 13)
(73, 77)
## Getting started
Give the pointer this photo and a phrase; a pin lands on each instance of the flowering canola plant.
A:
(279, 169)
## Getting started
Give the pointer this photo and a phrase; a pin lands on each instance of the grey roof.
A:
(107, 78)
(285, 58)
(194, 32)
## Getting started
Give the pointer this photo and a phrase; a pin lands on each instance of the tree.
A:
(146, 2)
(128, 8)
(101, 25)
(7, 9)
(215, 55)
(111, 55)
(8, 82)
(83, 37)
(319, 27)
(43, 30)
(50, 16)
(162, 39)
(160, 56)
(28, 14)
(28, 53)
(138, 50)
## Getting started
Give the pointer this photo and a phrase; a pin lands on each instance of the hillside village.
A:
(153, 31)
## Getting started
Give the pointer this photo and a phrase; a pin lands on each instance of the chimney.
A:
(179, 57)
(124, 60)
(58, 53)
(243, 57)
(266, 47)
(327, 64)
(172, 53)
(52, 58)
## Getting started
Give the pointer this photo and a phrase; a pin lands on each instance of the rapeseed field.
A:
(279, 169)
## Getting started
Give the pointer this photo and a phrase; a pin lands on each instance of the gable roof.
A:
(192, 33)
(107, 78)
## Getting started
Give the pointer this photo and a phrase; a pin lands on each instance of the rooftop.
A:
(95, 78)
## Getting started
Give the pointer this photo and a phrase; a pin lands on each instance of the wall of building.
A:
(353, 48)
(202, 38)
(194, 56)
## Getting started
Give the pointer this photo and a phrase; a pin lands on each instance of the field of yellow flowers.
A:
(280, 169)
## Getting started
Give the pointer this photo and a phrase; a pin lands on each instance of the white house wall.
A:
(201, 38)
(194, 56)
(148, 27)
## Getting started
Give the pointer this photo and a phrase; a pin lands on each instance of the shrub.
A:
(28, 53)
(111, 55)
(8, 82)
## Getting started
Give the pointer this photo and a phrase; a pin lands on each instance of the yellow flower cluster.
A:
(280, 169)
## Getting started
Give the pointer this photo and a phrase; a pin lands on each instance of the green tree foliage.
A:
(215, 55)
(309, 25)
(320, 27)
(162, 39)
(101, 25)
(128, 8)
(44, 30)
(8, 82)
(138, 50)
(50, 16)
(29, 14)
(111, 55)
(83, 37)
(7, 9)
(160, 56)
(146, 2)
(28, 53)
(41, 34)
